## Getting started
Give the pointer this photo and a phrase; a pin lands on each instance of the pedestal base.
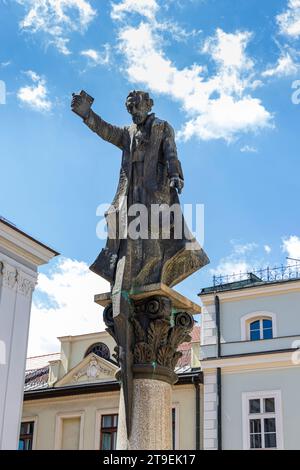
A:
(151, 417)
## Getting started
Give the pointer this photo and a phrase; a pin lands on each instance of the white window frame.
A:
(58, 427)
(260, 315)
(99, 414)
(246, 396)
(28, 419)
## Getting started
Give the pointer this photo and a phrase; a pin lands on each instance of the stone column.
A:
(158, 329)
(151, 417)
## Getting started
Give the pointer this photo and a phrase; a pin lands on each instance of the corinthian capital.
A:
(26, 284)
(14, 278)
(9, 275)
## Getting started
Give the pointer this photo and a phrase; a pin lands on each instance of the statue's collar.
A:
(146, 124)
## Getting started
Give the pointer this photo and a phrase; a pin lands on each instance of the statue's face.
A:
(138, 107)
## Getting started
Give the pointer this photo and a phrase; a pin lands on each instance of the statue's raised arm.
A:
(82, 105)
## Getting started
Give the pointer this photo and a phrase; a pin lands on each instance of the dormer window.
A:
(100, 349)
(261, 328)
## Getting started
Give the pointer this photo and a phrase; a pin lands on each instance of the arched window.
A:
(100, 349)
(261, 328)
(258, 325)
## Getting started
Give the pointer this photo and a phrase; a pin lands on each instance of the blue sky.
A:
(220, 71)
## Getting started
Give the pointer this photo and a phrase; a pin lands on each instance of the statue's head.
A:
(139, 105)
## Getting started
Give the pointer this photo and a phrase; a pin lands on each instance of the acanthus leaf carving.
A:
(156, 340)
(14, 278)
(157, 334)
(9, 275)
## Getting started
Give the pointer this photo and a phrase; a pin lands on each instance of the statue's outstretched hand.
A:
(81, 104)
(177, 183)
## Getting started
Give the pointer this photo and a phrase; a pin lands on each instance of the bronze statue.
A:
(150, 175)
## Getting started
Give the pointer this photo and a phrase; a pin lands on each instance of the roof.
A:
(241, 285)
(37, 362)
(257, 278)
(37, 371)
(36, 379)
(21, 232)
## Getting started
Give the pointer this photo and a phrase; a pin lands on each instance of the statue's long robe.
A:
(145, 261)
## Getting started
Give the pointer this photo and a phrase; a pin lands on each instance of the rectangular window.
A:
(262, 420)
(108, 435)
(26, 435)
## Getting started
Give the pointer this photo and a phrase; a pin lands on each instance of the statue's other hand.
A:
(80, 105)
(177, 183)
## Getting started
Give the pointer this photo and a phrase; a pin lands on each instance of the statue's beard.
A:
(139, 118)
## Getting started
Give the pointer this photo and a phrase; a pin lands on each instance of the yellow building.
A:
(71, 398)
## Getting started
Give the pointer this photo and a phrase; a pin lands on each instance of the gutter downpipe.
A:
(196, 382)
(219, 373)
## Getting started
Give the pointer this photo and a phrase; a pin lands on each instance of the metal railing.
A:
(279, 273)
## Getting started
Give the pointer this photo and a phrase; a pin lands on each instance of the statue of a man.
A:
(150, 175)
(165, 252)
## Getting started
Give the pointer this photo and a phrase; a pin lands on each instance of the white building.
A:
(250, 359)
(20, 256)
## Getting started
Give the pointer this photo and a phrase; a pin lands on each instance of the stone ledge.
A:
(179, 301)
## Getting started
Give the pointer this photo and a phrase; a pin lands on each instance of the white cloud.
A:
(219, 106)
(35, 96)
(98, 57)
(284, 67)
(69, 308)
(229, 50)
(5, 64)
(238, 263)
(236, 269)
(57, 19)
(248, 149)
(289, 20)
(146, 8)
(267, 249)
(61, 44)
(291, 246)
(242, 249)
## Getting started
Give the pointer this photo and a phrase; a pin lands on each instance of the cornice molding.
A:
(251, 361)
(20, 243)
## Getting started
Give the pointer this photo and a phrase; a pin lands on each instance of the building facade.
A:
(71, 399)
(20, 257)
(243, 394)
(250, 358)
